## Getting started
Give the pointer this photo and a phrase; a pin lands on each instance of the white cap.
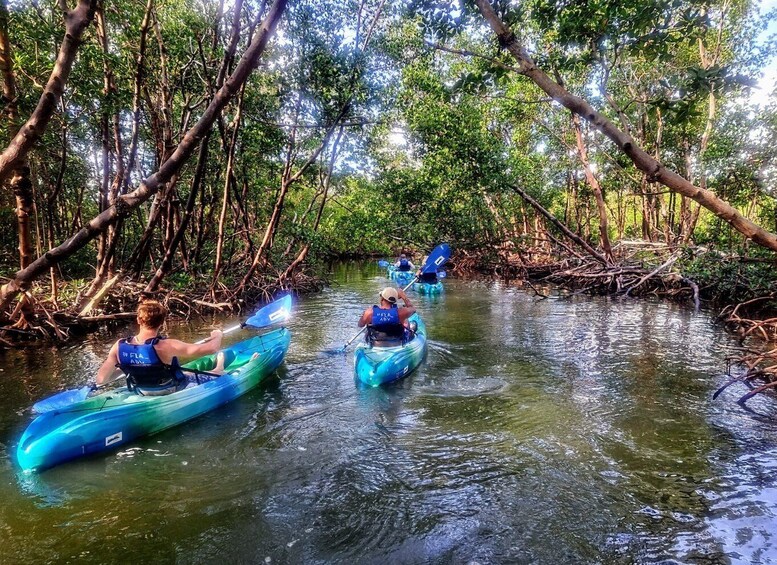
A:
(389, 294)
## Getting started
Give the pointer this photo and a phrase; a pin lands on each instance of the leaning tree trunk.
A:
(76, 22)
(593, 182)
(20, 182)
(653, 168)
(149, 186)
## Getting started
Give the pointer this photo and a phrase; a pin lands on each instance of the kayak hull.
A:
(104, 422)
(427, 288)
(375, 366)
(402, 277)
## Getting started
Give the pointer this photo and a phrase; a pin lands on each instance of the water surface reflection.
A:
(537, 431)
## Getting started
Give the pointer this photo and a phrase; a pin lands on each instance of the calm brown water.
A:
(554, 431)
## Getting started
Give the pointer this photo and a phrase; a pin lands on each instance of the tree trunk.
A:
(306, 248)
(287, 181)
(167, 262)
(655, 170)
(149, 186)
(76, 21)
(593, 182)
(563, 228)
(228, 179)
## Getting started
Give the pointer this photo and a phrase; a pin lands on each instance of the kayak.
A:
(403, 277)
(378, 365)
(106, 421)
(427, 288)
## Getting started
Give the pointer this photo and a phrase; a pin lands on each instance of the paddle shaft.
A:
(226, 331)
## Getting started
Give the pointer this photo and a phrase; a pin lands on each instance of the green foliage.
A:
(730, 279)
(432, 141)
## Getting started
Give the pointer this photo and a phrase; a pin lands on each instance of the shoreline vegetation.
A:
(637, 269)
(190, 153)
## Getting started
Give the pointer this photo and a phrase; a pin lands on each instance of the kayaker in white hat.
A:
(151, 361)
(387, 321)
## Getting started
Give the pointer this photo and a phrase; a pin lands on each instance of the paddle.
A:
(436, 258)
(275, 312)
(383, 263)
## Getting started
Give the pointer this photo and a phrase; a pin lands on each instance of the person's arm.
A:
(408, 309)
(409, 262)
(186, 351)
(366, 318)
(108, 369)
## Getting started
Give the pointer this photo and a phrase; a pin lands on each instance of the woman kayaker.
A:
(387, 322)
(150, 361)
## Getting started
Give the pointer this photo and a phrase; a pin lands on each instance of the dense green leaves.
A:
(437, 127)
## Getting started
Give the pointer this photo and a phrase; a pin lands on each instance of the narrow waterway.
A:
(537, 431)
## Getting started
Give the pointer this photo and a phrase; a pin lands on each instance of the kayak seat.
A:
(382, 339)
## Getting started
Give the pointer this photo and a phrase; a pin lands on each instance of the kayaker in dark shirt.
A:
(388, 321)
(148, 350)
(429, 278)
(404, 264)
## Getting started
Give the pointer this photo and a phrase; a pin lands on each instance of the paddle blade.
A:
(273, 313)
(437, 258)
(61, 400)
(383, 263)
(441, 274)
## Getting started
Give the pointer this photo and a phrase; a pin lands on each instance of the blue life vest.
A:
(385, 327)
(146, 373)
(404, 265)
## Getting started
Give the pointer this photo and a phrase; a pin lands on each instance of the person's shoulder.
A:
(169, 344)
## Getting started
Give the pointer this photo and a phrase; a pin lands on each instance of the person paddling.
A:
(151, 361)
(387, 321)
(428, 278)
(404, 264)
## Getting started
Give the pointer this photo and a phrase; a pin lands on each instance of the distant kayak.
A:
(378, 365)
(427, 288)
(106, 421)
(400, 276)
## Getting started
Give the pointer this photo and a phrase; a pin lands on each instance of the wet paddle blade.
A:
(437, 258)
(61, 400)
(383, 263)
(274, 313)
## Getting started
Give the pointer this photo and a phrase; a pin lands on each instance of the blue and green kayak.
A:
(427, 288)
(378, 365)
(402, 277)
(106, 421)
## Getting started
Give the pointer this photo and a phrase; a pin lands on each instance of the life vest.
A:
(386, 328)
(146, 373)
(430, 278)
(404, 265)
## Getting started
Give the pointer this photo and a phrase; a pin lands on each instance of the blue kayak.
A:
(402, 277)
(378, 365)
(427, 288)
(106, 421)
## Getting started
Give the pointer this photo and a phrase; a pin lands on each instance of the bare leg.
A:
(219, 368)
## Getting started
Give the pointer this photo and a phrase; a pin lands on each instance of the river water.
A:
(577, 430)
